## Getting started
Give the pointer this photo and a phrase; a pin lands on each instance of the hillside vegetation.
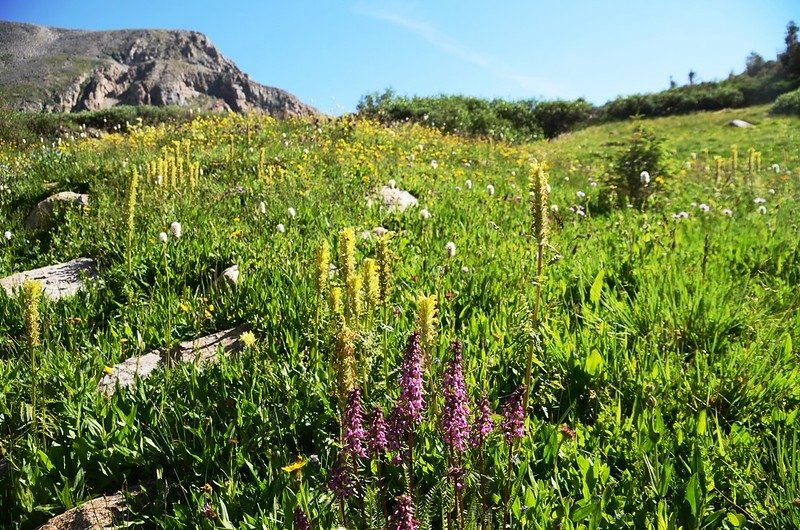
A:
(654, 340)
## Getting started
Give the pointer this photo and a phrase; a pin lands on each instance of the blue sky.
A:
(331, 52)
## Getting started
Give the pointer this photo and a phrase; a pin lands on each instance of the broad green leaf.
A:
(594, 363)
(597, 286)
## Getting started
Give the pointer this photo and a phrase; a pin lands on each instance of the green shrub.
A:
(644, 152)
(788, 103)
(560, 116)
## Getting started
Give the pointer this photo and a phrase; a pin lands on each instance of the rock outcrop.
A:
(50, 69)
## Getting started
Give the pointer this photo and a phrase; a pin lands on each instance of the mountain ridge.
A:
(67, 70)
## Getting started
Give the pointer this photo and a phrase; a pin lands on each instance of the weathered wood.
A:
(58, 281)
(199, 351)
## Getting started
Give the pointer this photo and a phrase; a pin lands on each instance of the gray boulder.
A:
(44, 213)
(741, 124)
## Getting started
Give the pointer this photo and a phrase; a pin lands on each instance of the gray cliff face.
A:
(58, 70)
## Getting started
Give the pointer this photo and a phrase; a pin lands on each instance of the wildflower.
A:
(554, 208)
(248, 339)
(450, 249)
(759, 200)
(704, 207)
(32, 290)
(108, 370)
(377, 432)
(347, 253)
(762, 210)
(424, 214)
(208, 511)
(162, 237)
(727, 212)
(776, 168)
(175, 229)
(159, 180)
(280, 228)
(353, 286)
(353, 426)
(771, 191)
(396, 431)
(456, 474)
(581, 213)
(301, 521)
(392, 184)
(425, 321)
(465, 269)
(490, 189)
(7, 235)
(483, 425)
(593, 184)
(580, 194)
(372, 282)
(365, 235)
(403, 516)
(567, 432)
(539, 190)
(292, 212)
(694, 156)
(262, 207)
(644, 178)
(453, 421)
(411, 402)
(434, 164)
(513, 423)
(298, 464)
(468, 184)
(322, 267)
(341, 482)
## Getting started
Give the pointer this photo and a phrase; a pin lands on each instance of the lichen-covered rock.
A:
(199, 351)
(229, 276)
(393, 199)
(43, 214)
(103, 513)
(58, 281)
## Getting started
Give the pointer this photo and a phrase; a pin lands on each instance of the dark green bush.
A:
(788, 103)
(560, 116)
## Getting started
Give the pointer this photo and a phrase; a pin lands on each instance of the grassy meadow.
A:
(662, 339)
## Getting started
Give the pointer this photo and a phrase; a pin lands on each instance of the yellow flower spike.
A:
(347, 253)
(32, 291)
(372, 282)
(426, 321)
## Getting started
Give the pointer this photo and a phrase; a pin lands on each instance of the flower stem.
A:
(535, 325)
(507, 487)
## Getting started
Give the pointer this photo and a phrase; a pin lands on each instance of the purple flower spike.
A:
(513, 424)
(396, 433)
(377, 432)
(453, 422)
(403, 516)
(353, 426)
(483, 425)
(411, 401)
(301, 521)
(341, 481)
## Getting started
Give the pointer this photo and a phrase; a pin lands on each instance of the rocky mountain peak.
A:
(51, 69)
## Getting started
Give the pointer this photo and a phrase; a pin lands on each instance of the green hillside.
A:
(657, 332)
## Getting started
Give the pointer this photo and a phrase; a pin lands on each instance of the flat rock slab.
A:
(199, 351)
(58, 281)
(102, 513)
(740, 124)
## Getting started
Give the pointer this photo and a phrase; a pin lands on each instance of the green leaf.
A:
(594, 363)
(701, 422)
(597, 286)
(693, 494)
(736, 519)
